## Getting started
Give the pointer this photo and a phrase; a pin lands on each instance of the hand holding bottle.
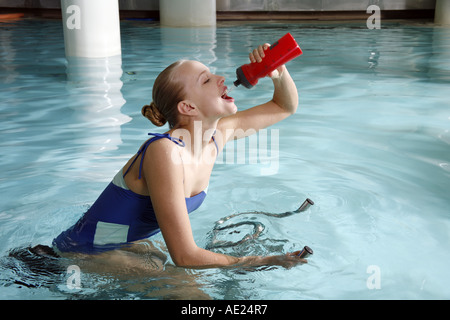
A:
(266, 59)
(257, 55)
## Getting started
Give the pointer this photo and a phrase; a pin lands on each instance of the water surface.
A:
(369, 145)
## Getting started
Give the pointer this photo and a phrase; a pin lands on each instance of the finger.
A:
(261, 51)
(257, 55)
(295, 254)
(252, 56)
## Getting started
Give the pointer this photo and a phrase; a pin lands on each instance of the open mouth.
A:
(226, 97)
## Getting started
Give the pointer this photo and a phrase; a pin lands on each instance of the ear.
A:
(187, 108)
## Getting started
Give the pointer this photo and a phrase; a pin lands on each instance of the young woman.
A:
(168, 177)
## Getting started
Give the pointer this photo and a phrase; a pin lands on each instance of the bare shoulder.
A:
(162, 153)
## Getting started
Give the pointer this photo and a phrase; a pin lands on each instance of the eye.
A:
(206, 81)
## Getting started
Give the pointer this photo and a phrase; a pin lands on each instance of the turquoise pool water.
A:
(370, 145)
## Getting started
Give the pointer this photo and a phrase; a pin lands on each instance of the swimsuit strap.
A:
(158, 136)
(144, 147)
(217, 147)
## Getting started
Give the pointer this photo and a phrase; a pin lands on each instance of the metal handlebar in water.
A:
(306, 251)
(258, 227)
(305, 205)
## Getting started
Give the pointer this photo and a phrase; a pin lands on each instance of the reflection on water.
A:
(173, 44)
(95, 87)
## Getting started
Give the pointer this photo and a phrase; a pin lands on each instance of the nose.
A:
(221, 80)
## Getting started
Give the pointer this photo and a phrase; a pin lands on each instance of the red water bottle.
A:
(279, 53)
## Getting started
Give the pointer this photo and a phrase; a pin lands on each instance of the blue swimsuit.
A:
(119, 215)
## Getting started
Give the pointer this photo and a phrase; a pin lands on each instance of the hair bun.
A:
(151, 112)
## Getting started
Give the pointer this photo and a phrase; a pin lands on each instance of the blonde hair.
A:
(166, 93)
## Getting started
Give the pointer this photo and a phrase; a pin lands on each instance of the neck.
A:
(196, 134)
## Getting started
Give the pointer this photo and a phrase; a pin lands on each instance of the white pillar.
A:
(442, 12)
(187, 13)
(91, 28)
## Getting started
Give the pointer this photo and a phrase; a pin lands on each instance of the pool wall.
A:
(255, 9)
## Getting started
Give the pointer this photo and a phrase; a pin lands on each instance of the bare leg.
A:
(143, 260)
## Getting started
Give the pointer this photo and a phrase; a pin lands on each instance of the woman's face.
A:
(205, 90)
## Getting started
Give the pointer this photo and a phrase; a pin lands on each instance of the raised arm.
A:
(283, 104)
